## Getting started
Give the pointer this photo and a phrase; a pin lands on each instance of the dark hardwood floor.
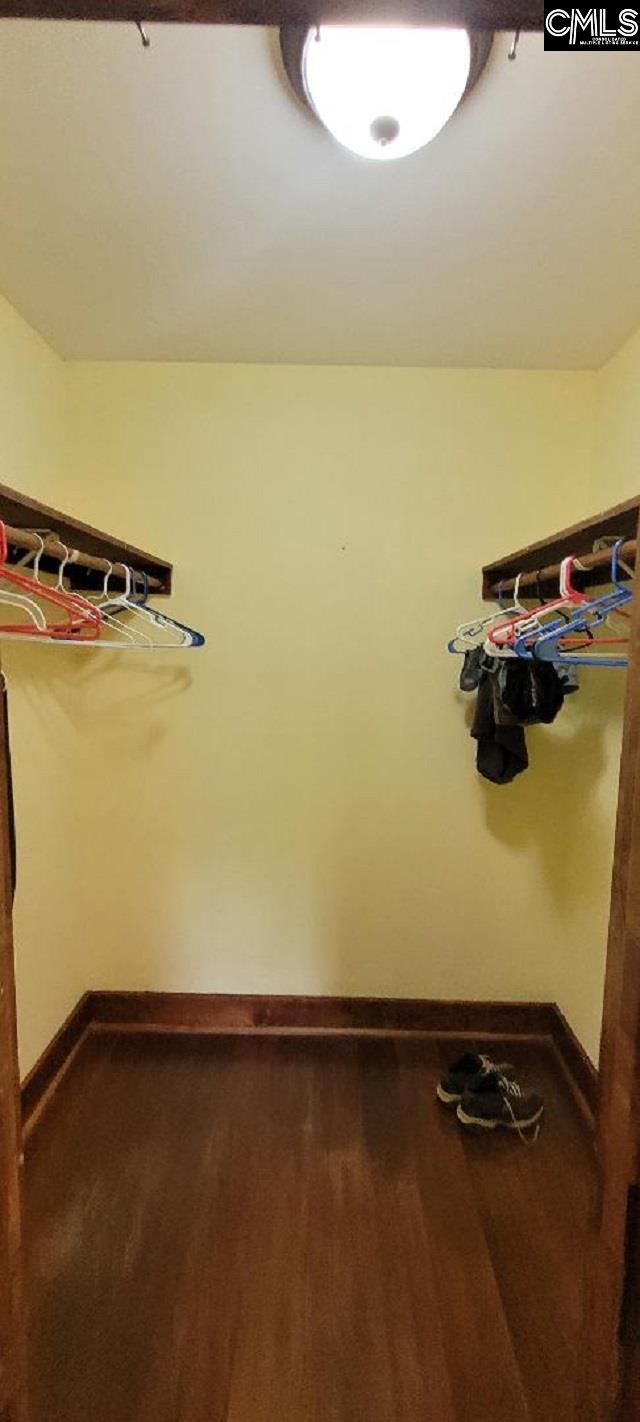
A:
(291, 1229)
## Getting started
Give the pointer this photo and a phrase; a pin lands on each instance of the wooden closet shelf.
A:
(96, 550)
(478, 14)
(542, 560)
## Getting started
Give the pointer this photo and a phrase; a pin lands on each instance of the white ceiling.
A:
(177, 203)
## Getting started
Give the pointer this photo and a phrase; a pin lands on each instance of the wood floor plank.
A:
(482, 1360)
(535, 1215)
(413, 1314)
(236, 1229)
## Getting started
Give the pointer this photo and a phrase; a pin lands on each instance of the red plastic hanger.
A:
(83, 620)
(504, 634)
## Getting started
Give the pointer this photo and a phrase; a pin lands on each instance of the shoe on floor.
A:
(451, 1089)
(494, 1099)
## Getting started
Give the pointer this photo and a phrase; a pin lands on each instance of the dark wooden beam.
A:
(607, 1339)
(475, 14)
(13, 1360)
(97, 550)
(544, 557)
(592, 571)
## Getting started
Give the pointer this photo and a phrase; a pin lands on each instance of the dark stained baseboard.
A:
(202, 1012)
(578, 1066)
(55, 1057)
(237, 1012)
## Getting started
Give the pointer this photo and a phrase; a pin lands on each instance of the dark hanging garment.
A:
(569, 678)
(472, 668)
(502, 750)
(477, 663)
(527, 692)
(512, 692)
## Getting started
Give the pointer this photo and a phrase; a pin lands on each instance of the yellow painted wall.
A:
(296, 806)
(617, 467)
(45, 742)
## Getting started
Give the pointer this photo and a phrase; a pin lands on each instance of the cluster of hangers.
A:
(562, 630)
(49, 612)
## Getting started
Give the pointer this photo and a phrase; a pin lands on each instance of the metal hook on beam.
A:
(513, 49)
(146, 42)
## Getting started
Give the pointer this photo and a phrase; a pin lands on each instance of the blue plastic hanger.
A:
(196, 639)
(544, 644)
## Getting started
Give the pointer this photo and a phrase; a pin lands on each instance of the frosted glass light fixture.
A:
(382, 91)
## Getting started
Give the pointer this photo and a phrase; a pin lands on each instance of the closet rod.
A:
(23, 538)
(592, 562)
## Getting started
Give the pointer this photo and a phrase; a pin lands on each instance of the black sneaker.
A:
(494, 1099)
(451, 1089)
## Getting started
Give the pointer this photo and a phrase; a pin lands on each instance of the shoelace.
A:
(490, 1068)
(510, 1088)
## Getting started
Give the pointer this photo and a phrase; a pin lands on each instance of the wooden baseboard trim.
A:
(582, 1074)
(53, 1061)
(479, 1038)
(203, 1012)
(354, 1016)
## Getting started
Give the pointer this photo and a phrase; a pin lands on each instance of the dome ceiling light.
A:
(383, 91)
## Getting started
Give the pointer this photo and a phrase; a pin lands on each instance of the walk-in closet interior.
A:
(320, 712)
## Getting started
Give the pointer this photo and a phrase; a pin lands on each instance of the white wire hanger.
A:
(31, 607)
(473, 634)
(123, 602)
